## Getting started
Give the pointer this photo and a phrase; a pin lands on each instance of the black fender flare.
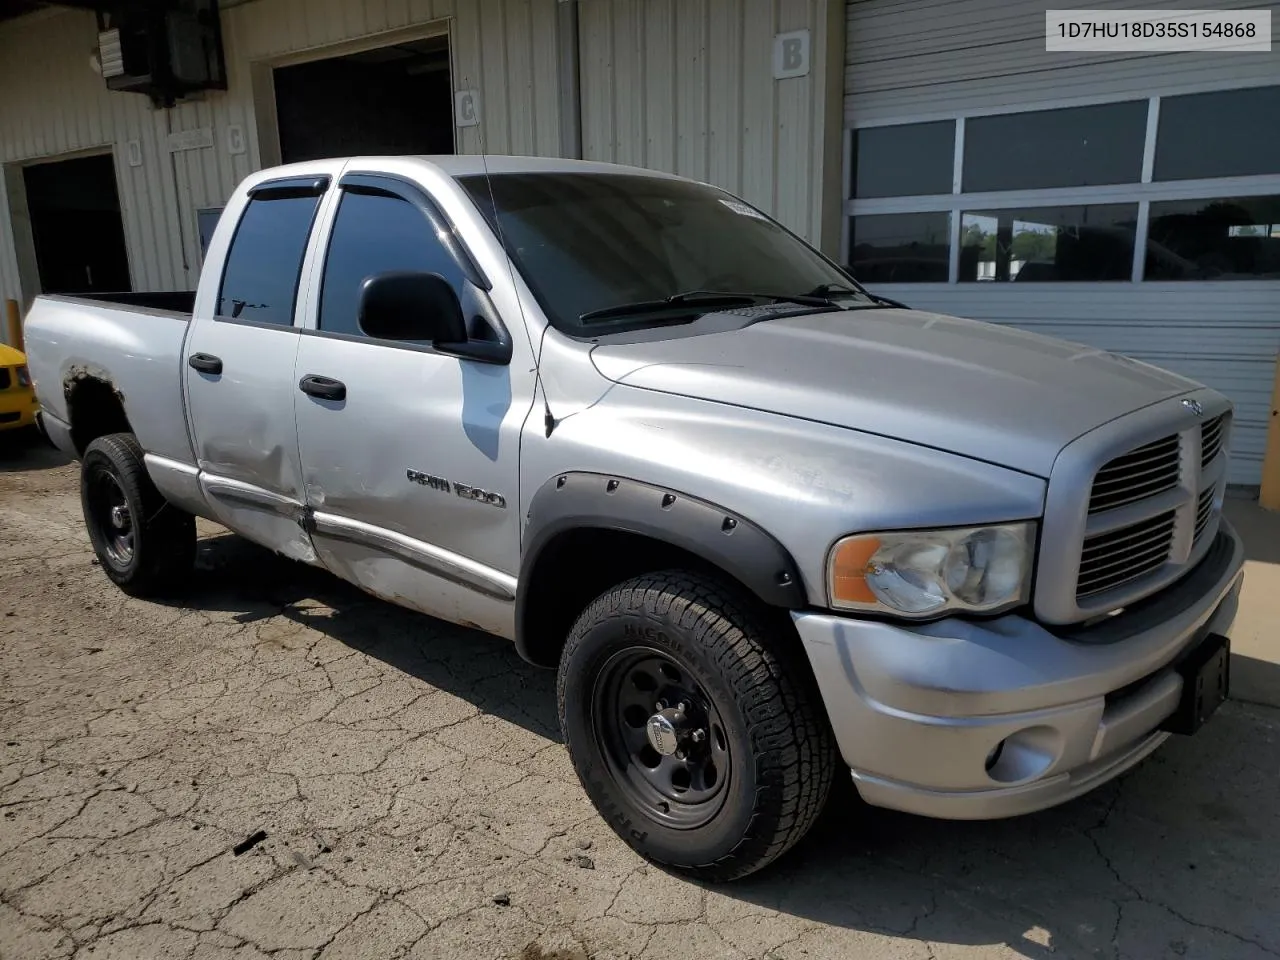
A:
(724, 538)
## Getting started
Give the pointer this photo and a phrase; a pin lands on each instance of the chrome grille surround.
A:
(1100, 551)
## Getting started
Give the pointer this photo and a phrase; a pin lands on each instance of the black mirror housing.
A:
(411, 306)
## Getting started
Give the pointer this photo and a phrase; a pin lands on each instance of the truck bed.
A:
(131, 343)
(179, 301)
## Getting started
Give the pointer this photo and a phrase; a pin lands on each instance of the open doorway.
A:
(76, 227)
(390, 100)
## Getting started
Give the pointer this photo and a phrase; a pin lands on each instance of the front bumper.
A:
(919, 711)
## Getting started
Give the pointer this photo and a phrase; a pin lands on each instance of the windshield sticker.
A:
(742, 209)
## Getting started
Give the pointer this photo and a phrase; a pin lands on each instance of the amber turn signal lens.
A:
(849, 570)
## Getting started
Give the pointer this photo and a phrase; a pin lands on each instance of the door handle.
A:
(205, 363)
(324, 388)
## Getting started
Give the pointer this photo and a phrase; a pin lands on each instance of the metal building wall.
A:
(917, 60)
(912, 59)
(687, 86)
(53, 105)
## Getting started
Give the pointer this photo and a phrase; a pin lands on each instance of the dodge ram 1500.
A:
(763, 522)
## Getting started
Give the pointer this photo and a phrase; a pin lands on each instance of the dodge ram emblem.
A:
(1194, 406)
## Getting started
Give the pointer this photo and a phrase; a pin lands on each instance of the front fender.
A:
(723, 538)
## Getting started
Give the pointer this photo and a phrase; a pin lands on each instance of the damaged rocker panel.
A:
(425, 556)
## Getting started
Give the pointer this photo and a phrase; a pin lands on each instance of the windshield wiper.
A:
(701, 298)
(835, 290)
(831, 290)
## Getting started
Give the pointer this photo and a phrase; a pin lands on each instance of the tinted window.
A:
(909, 160)
(1234, 133)
(1075, 147)
(374, 234)
(261, 277)
(587, 242)
(900, 247)
(1048, 244)
(1235, 238)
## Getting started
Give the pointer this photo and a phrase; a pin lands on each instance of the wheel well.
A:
(579, 565)
(94, 408)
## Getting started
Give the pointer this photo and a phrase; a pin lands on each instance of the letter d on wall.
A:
(791, 54)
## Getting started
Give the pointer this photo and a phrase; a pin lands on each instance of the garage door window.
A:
(1079, 147)
(914, 159)
(1172, 188)
(1048, 244)
(1228, 238)
(1231, 133)
(901, 247)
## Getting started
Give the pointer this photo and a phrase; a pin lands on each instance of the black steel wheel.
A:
(662, 736)
(145, 544)
(694, 724)
(108, 511)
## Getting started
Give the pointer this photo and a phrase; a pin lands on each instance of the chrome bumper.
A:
(978, 720)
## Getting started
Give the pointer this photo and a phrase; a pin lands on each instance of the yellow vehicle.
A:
(18, 404)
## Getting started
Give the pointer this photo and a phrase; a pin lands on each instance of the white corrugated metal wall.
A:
(53, 105)
(686, 86)
(919, 60)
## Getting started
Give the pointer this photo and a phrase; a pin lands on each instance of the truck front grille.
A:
(1204, 511)
(1211, 440)
(1145, 472)
(1131, 507)
(4, 378)
(1112, 559)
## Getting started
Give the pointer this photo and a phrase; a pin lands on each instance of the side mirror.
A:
(411, 306)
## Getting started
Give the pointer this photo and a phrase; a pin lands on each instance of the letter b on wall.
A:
(791, 54)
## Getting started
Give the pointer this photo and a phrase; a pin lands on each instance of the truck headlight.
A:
(925, 573)
(24, 377)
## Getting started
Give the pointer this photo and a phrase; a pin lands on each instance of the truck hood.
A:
(980, 390)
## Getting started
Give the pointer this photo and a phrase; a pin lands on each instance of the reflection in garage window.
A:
(900, 247)
(1232, 238)
(1048, 244)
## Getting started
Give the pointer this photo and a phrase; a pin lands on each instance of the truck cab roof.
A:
(451, 165)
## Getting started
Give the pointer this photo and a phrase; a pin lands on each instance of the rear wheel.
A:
(145, 544)
(693, 725)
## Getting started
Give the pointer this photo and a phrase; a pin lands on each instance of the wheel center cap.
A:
(119, 517)
(662, 734)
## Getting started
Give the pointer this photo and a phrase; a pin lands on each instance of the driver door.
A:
(409, 454)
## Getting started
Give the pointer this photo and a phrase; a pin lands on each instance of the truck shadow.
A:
(23, 451)
(251, 583)
(1175, 858)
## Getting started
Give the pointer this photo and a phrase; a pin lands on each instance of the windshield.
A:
(606, 250)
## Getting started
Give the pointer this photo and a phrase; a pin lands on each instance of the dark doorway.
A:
(393, 100)
(76, 226)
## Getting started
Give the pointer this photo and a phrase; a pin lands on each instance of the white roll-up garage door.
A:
(989, 178)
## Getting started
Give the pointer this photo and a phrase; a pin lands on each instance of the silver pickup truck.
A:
(761, 520)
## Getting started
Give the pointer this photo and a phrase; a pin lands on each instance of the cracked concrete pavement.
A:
(417, 801)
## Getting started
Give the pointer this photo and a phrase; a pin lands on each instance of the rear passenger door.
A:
(411, 464)
(239, 375)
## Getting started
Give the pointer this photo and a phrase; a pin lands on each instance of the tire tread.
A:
(166, 538)
(791, 740)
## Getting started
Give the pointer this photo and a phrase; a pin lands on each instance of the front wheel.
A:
(694, 727)
(145, 544)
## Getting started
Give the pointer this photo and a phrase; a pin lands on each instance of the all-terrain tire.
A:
(145, 544)
(760, 695)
